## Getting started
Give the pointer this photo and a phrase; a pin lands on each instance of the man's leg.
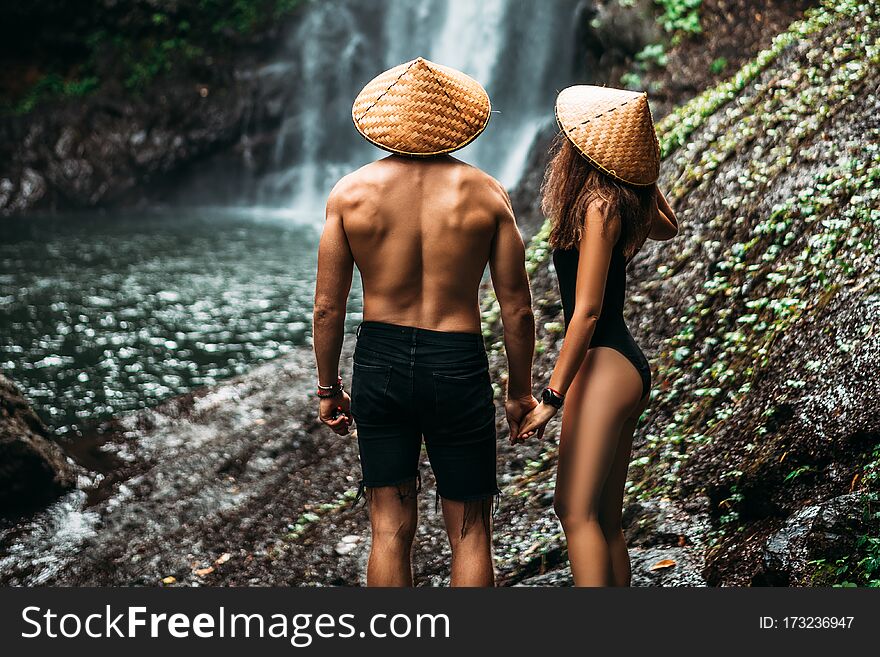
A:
(393, 518)
(469, 527)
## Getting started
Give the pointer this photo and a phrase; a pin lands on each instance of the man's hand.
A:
(516, 409)
(335, 412)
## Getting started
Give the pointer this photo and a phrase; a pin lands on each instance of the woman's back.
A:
(611, 329)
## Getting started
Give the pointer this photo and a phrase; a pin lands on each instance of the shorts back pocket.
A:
(369, 391)
(463, 403)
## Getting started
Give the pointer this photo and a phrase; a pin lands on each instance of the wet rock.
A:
(32, 188)
(666, 566)
(108, 149)
(64, 145)
(612, 36)
(820, 531)
(347, 545)
(561, 577)
(6, 189)
(662, 522)
(33, 470)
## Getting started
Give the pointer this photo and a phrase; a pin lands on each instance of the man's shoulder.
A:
(482, 185)
(477, 176)
(492, 194)
(354, 185)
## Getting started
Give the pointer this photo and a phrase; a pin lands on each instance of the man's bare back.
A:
(421, 233)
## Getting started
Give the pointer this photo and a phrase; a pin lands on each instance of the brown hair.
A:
(572, 184)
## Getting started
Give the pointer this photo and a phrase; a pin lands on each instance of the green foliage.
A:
(51, 86)
(675, 129)
(718, 65)
(137, 42)
(680, 16)
(654, 53)
(797, 472)
(862, 567)
(631, 80)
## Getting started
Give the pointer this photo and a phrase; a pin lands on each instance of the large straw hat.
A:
(421, 108)
(613, 129)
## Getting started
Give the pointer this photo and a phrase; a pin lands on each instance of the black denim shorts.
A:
(410, 383)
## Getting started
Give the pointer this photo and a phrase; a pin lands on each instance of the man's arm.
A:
(507, 264)
(335, 267)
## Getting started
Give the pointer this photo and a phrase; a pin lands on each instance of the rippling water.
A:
(106, 313)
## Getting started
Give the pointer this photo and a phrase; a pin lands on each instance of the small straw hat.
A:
(421, 109)
(613, 129)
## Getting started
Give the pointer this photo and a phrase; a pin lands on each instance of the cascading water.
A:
(521, 51)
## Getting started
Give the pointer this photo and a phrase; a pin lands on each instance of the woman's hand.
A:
(536, 421)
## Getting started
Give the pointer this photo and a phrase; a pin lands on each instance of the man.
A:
(421, 227)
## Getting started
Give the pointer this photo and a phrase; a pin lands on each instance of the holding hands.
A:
(535, 422)
(517, 408)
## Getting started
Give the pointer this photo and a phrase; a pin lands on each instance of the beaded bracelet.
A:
(334, 390)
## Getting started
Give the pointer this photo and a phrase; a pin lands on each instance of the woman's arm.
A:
(665, 224)
(597, 243)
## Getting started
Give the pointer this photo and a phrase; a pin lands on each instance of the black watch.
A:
(552, 398)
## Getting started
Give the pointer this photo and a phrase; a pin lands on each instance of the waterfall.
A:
(520, 50)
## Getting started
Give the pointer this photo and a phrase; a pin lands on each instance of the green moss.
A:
(680, 16)
(51, 86)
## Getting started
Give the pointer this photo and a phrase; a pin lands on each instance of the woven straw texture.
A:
(613, 129)
(421, 108)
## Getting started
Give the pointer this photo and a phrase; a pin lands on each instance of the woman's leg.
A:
(607, 390)
(611, 504)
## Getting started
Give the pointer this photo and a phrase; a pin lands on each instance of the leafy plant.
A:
(718, 65)
(631, 80)
(654, 53)
(680, 16)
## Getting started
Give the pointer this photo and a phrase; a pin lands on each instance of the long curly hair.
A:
(572, 184)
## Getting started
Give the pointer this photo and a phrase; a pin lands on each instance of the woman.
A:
(600, 192)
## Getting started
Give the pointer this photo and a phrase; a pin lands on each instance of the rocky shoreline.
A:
(240, 485)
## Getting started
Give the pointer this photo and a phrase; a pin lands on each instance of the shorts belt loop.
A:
(357, 332)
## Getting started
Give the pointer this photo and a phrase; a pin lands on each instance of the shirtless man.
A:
(421, 232)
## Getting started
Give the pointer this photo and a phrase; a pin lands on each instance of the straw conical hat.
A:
(613, 129)
(421, 108)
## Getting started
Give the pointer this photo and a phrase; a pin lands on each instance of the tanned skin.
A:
(604, 400)
(421, 232)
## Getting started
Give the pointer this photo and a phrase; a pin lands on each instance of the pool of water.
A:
(104, 313)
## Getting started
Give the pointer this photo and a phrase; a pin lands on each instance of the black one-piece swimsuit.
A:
(611, 330)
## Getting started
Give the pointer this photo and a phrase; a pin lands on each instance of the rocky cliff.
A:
(107, 105)
(760, 318)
